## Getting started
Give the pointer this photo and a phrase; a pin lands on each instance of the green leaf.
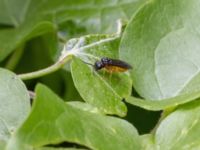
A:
(13, 12)
(11, 38)
(95, 15)
(2, 145)
(165, 103)
(70, 93)
(52, 121)
(147, 142)
(34, 18)
(180, 130)
(162, 43)
(84, 106)
(14, 103)
(99, 88)
(99, 91)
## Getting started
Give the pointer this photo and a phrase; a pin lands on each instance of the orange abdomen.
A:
(112, 69)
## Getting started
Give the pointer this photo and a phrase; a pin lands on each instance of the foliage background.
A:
(153, 106)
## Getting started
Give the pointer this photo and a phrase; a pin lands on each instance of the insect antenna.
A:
(93, 71)
(88, 63)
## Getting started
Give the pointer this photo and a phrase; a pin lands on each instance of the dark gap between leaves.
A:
(142, 119)
(6, 26)
(68, 145)
(135, 94)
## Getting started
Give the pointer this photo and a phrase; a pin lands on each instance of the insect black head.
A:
(98, 65)
(105, 60)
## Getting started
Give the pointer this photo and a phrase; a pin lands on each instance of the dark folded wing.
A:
(119, 63)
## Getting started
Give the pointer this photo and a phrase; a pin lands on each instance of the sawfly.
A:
(111, 65)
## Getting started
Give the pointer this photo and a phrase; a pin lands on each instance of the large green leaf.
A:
(99, 88)
(163, 45)
(36, 17)
(180, 130)
(14, 103)
(52, 121)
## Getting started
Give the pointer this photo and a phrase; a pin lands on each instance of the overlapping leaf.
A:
(52, 121)
(180, 130)
(162, 43)
(14, 103)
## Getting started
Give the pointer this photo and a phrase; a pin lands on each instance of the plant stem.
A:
(14, 59)
(45, 71)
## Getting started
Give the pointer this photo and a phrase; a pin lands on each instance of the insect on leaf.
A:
(99, 88)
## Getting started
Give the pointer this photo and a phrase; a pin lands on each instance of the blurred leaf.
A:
(69, 29)
(101, 89)
(180, 130)
(162, 43)
(12, 38)
(14, 103)
(14, 59)
(13, 12)
(36, 17)
(52, 121)
(165, 103)
(2, 145)
(95, 15)
(37, 53)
